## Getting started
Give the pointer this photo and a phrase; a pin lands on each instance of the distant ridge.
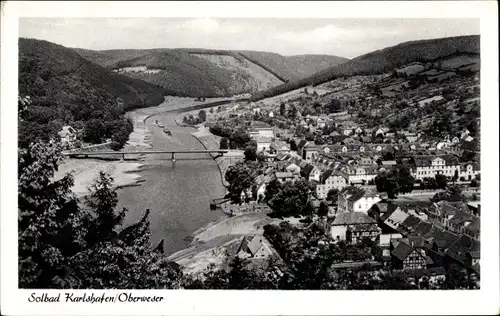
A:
(384, 60)
(201, 72)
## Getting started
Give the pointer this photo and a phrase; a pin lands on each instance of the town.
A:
(385, 167)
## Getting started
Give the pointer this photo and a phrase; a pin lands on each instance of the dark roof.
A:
(356, 194)
(402, 251)
(423, 228)
(461, 247)
(325, 175)
(410, 223)
(391, 208)
(306, 170)
(443, 239)
(351, 218)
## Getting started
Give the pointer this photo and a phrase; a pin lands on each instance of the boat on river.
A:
(167, 131)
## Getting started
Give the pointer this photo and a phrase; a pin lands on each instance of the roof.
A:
(263, 139)
(423, 228)
(443, 239)
(356, 196)
(402, 251)
(306, 170)
(284, 175)
(461, 247)
(352, 218)
(411, 222)
(325, 175)
(261, 125)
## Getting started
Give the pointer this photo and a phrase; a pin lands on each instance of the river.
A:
(179, 194)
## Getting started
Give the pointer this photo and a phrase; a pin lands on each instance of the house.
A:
(309, 152)
(293, 168)
(271, 114)
(328, 180)
(359, 174)
(284, 176)
(261, 129)
(385, 245)
(393, 218)
(68, 135)
(404, 256)
(255, 248)
(263, 143)
(354, 199)
(426, 167)
(468, 138)
(280, 147)
(353, 227)
(463, 251)
(381, 131)
(310, 172)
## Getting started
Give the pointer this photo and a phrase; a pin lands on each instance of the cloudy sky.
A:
(287, 36)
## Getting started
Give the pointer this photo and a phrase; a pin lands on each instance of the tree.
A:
(293, 197)
(202, 115)
(332, 195)
(323, 209)
(272, 188)
(441, 181)
(47, 217)
(250, 153)
(63, 246)
(100, 219)
(451, 194)
(282, 109)
(293, 145)
(292, 112)
(239, 138)
(240, 177)
(455, 177)
(224, 143)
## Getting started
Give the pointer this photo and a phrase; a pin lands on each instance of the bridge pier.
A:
(173, 156)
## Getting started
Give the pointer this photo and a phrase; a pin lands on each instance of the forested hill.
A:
(209, 73)
(384, 60)
(66, 89)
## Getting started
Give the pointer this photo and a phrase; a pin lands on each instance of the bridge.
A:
(87, 154)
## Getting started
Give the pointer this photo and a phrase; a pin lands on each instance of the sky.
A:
(286, 36)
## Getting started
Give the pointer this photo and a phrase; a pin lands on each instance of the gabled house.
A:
(354, 199)
(406, 257)
(328, 180)
(353, 227)
(67, 135)
(255, 248)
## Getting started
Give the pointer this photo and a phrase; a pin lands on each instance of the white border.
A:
(486, 300)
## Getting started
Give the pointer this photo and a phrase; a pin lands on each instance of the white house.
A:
(263, 143)
(357, 200)
(353, 227)
(429, 167)
(68, 135)
(329, 179)
(256, 248)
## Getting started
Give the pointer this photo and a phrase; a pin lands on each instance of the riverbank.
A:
(212, 243)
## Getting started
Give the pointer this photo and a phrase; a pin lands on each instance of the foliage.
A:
(202, 115)
(241, 177)
(382, 61)
(66, 89)
(62, 245)
(332, 195)
(441, 181)
(451, 194)
(250, 153)
(323, 209)
(224, 143)
(293, 198)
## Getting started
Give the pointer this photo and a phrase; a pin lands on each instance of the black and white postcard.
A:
(174, 158)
